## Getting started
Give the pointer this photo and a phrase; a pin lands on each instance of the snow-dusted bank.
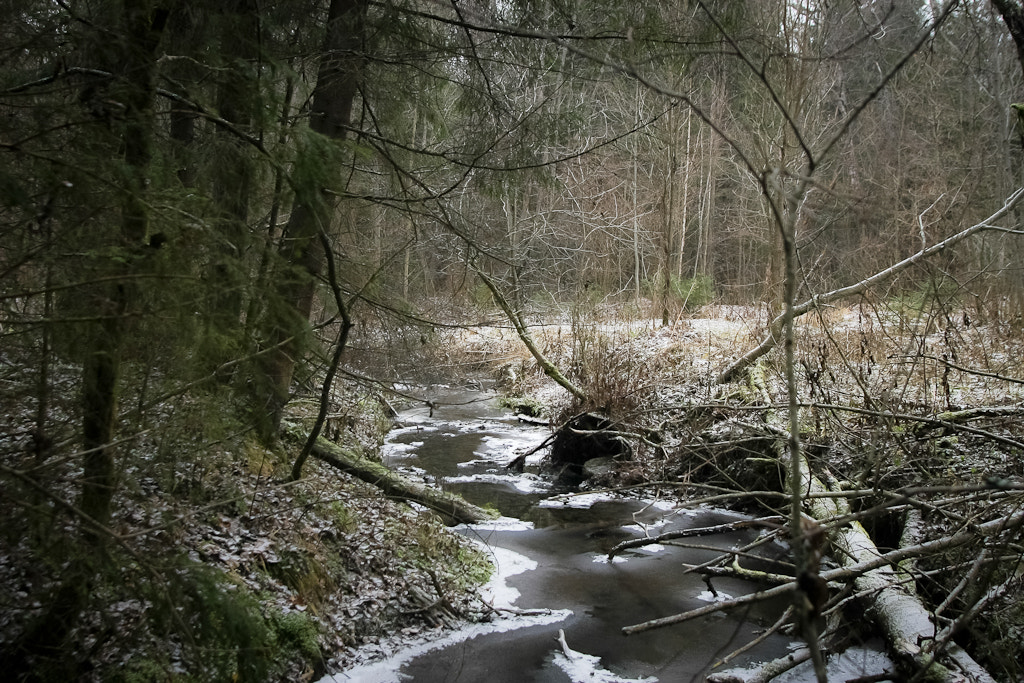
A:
(496, 592)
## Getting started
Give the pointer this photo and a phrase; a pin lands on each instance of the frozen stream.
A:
(550, 551)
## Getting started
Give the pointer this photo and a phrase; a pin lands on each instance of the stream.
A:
(550, 551)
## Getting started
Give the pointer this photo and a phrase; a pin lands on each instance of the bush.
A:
(693, 292)
(689, 292)
(298, 632)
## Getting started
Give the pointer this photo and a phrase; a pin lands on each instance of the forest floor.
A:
(219, 567)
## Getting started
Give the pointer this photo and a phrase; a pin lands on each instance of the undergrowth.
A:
(215, 566)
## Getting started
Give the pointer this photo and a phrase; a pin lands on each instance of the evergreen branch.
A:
(192, 105)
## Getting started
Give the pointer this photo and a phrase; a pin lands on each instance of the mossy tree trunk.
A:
(452, 508)
(134, 85)
(237, 103)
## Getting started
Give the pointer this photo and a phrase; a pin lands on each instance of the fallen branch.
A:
(905, 623)
(846, 573)
(773, 523)
(954, 418)
(763, 672)
(516, 319)
(767, 633)
(451, 507)
(768, 594)
(519, 462)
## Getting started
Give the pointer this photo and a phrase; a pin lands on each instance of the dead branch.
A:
(772, 522)
(775, 328)
(523, 331)
(774, 628)
(906, 624)
(767, 594)
(763, 673)
(951, 419)
(519, 462)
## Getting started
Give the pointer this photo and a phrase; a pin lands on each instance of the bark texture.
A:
(302, 253)
(452, 508)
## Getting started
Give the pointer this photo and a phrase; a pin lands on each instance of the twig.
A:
(774, 628)
(770, 522)
(776, 325)
(765, 672)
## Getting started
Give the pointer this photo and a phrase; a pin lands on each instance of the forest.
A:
(237, 237)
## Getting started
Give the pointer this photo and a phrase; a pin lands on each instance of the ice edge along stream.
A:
(549, 550)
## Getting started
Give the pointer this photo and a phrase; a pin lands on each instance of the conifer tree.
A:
(316, 185)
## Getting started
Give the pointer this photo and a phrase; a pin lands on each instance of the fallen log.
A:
(952, 418)
(986, 529)
(523, 330)
(905, 623)
(452, 508)
(913, 637)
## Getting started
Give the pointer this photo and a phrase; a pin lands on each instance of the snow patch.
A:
(522, 483)
(708, 596)
(652, 548)
(582, 502)
(388, 670)
(497, 592)
(583, 668)
(500, 524)
(506, 563)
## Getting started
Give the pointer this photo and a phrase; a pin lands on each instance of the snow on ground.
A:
(523, 483)
(387, 670)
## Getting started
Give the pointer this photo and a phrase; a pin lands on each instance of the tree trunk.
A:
(669, 222)
(237, 94)
(102, 364)
(451, 507)
(1013, 16)
(905, 623)
(302, 254)
(140, 29)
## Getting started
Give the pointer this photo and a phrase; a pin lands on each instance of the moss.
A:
(344, 520)
(297, 632)
(263, 461)
(301, 571)
(144, 670)
(523, 405)
(438, 551)
(229, 636)
(688, 292)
